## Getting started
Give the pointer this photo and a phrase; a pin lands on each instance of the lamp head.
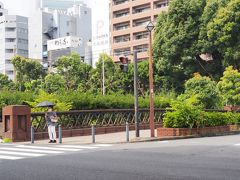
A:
(150, 26)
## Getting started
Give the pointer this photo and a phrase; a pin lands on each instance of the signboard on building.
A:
(100, 29)
(63, 43)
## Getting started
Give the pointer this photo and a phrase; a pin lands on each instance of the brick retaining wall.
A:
(207, 131)
(1, 130)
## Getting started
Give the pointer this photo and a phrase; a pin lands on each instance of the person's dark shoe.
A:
(51, 141)
(54, 141)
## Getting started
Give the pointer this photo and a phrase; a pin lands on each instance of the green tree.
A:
(190, 29)
(112, 76)
(229, 86)
(5, 83)
(27, 69)
(224, 32)
(204, 89)
(73, 71)
(54, 83)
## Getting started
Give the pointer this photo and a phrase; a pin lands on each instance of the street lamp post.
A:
(150, 27)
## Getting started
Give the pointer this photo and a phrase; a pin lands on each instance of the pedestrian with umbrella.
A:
(52, 119)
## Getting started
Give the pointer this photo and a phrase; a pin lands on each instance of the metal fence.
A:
(85, 118)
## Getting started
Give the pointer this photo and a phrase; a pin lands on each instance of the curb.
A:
(181, 137)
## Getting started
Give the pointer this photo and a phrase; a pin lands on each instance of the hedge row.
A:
(202, 119)
(81, 101)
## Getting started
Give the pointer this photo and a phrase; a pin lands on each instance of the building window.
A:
(9, 72)
(122, 51)
(9, 50)
(8, 61)
(124, 38)
(10, 40)
(117, 2)
(142, 8)
(9, 29)
(122, 13)
(140, 35)
(121, 26)
(160, 4)
(22, 30)
(22, 41)
(141, 22)
(141, 48)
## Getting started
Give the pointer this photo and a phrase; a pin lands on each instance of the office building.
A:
(13, 40)
(48, 24)
(128, 21)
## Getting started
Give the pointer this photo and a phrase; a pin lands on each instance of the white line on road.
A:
(103, 145)
(236, 144)
(21, 153)
(49, 148)
(10, 157)
(78, 147)
(32, 150)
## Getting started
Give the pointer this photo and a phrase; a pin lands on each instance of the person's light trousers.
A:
(52, 132)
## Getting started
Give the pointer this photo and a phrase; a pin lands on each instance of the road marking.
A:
(103, 145)
(10, 157)
(236, 144)
(79, 147)
(21, 153)
(33, 150)
(49, 148)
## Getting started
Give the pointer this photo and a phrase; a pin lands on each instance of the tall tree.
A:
(190, 29)
(224, 32)
(73, 71)
(5, 83)
(27, 69)
(112, 81)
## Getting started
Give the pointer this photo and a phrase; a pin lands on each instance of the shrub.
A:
(229, 86)
(176, 119)
(205, 90)
(7, 140)
(183, 114)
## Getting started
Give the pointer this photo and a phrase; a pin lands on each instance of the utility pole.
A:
(136, 94)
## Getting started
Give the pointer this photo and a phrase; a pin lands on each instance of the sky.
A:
(26, 7)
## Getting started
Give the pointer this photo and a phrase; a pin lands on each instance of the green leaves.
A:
(185, 113)
(5, 83)
(27, 69)
(204, 89)
(195, 27)
(229, 86)
(73, 71)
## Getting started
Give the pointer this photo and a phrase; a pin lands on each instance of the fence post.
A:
(127, 132)
(32, 135)
(93, 134)
(60, 133)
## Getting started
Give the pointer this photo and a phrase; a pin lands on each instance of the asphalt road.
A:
(215, 158)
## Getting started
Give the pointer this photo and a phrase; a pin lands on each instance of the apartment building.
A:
(13, 40)
(128, 21)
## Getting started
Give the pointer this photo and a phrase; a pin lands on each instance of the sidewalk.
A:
(112, 138)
